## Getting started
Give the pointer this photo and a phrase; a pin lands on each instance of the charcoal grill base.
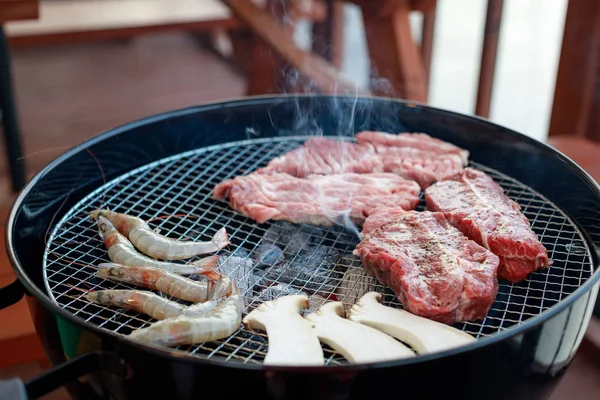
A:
(497, 367)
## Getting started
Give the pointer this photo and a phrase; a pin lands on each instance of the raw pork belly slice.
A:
(423, 159)
(417, 140)
(477, 205)
(425, 167)
(434, 270)
(322, 156)
(316, 199)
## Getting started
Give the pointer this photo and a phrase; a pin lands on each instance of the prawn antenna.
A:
(171, 216)
(86, 291)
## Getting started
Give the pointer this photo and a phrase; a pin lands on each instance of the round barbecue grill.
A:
(332, 272)
(163, 169)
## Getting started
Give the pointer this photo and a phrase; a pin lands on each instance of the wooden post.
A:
(427, 35)
(577, 93)
(278, 38)
(394, 54)
(328, 36)
(488, 57)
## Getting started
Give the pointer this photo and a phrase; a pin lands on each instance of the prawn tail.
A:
(95, 214)
(206, 266)
(221, 238)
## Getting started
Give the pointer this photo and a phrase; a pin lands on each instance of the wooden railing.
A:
(576, 109)
(392, 49)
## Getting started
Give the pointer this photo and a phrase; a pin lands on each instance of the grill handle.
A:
(11, 294)
(16, 389)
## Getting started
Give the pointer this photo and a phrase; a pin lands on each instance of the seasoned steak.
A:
(381, 217)
(316, 199)
(416, 140)
(434, 270)
(477, 205)
(419, 159)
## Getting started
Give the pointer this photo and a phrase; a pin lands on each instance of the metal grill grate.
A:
(317, 261)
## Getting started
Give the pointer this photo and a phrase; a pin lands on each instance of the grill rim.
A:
(173, 354)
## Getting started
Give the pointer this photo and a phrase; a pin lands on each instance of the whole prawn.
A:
(219, 323)
(166, 282)
(121, 251)
(151, 243)
(149, 303)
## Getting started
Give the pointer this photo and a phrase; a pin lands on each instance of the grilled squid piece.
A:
(151, 243)
(166, 282)
(148, 303)
(356, 342)
(292, 340)
(422, 334)
(121, 251)
(218, 323)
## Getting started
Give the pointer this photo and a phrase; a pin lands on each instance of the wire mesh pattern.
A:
(278, 258)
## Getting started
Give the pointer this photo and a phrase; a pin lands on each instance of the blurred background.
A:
(74, 68)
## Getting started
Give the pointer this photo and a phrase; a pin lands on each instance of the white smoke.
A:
(345, 105)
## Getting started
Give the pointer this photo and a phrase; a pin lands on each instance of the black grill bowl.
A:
(523, 362)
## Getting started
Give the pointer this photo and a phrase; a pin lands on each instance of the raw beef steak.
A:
(434, 270)
(477, 205)
(316, 199)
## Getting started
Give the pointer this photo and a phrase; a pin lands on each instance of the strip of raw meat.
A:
(382, 216)
(316, 199)
(323, 156)
(424, 166)
(416, 140)
(477, 205)
(434, 270)
(319, 155)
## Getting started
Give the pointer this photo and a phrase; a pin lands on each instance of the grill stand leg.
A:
(12, 140)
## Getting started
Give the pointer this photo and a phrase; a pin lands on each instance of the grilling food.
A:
(166, 282)
(316, 199)
(151, 243)
(422, 334)
(148, 303)
(357, 343)
(220, 322)
(323, 156)
(382, 217)
(420, 141)
(477, 205)
(137, 300)
(292, 340)
(121, 251)
(434, 270)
